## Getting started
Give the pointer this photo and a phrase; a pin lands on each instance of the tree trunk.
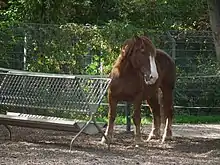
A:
(214, 12)
(3, 4)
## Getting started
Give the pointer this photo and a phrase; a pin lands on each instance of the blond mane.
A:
(125, 51)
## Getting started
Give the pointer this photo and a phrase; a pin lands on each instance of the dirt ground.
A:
(192, 144)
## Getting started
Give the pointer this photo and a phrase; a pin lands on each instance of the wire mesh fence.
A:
(64, 94)
(75, 49)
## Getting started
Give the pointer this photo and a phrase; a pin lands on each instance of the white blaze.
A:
(153, 69)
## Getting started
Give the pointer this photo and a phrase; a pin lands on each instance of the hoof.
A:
(153, 136)
(104, 141)
(166, 138)
(101, 143)
(138, 142)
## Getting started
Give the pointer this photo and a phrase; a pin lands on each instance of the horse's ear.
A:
(127, 48)
(136, 37)
(123, 50)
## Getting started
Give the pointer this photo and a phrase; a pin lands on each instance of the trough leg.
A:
(82, 129)
(9, 130)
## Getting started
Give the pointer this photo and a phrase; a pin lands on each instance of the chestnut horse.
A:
(138, 73)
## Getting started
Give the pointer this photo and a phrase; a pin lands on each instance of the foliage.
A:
(198, 92)
(160, 14)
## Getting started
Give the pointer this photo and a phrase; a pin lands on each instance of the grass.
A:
(198, 119)
(121, 120)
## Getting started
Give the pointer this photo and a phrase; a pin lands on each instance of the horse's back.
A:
(167, 68)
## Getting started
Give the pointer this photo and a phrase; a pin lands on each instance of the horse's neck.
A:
(126, 69)
(122, 68)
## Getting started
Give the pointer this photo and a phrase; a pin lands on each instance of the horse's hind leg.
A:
(111, 119)
(160, 97)
(168, 112)
(155, 109)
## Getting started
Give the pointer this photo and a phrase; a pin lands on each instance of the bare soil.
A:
(192, 144)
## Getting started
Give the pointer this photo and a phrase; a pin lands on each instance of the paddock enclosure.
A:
(64, 49)
(54, 50)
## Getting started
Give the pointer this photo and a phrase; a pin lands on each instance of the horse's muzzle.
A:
(149, 79)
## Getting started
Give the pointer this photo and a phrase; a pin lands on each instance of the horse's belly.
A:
(125, 90)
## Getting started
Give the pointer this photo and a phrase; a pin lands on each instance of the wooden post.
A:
(173, 46)
(214, 13)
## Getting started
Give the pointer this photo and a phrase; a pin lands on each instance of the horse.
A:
(138, 74)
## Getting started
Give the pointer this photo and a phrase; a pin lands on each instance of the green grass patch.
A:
(197, 119)
(121, 120)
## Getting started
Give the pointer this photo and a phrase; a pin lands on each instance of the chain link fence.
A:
(75, 49)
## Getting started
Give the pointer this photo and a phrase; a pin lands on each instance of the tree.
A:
(214, 12)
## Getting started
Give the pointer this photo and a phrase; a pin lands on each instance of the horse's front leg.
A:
(111, 119)
(137, 120)
(155, 109)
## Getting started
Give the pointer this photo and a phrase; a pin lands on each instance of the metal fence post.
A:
(128, 116)
(25, 52)
(25, 65)
(173, 45)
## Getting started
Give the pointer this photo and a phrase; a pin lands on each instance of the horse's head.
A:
(141, 53)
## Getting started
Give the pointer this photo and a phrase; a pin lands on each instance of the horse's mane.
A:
(126, 49)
